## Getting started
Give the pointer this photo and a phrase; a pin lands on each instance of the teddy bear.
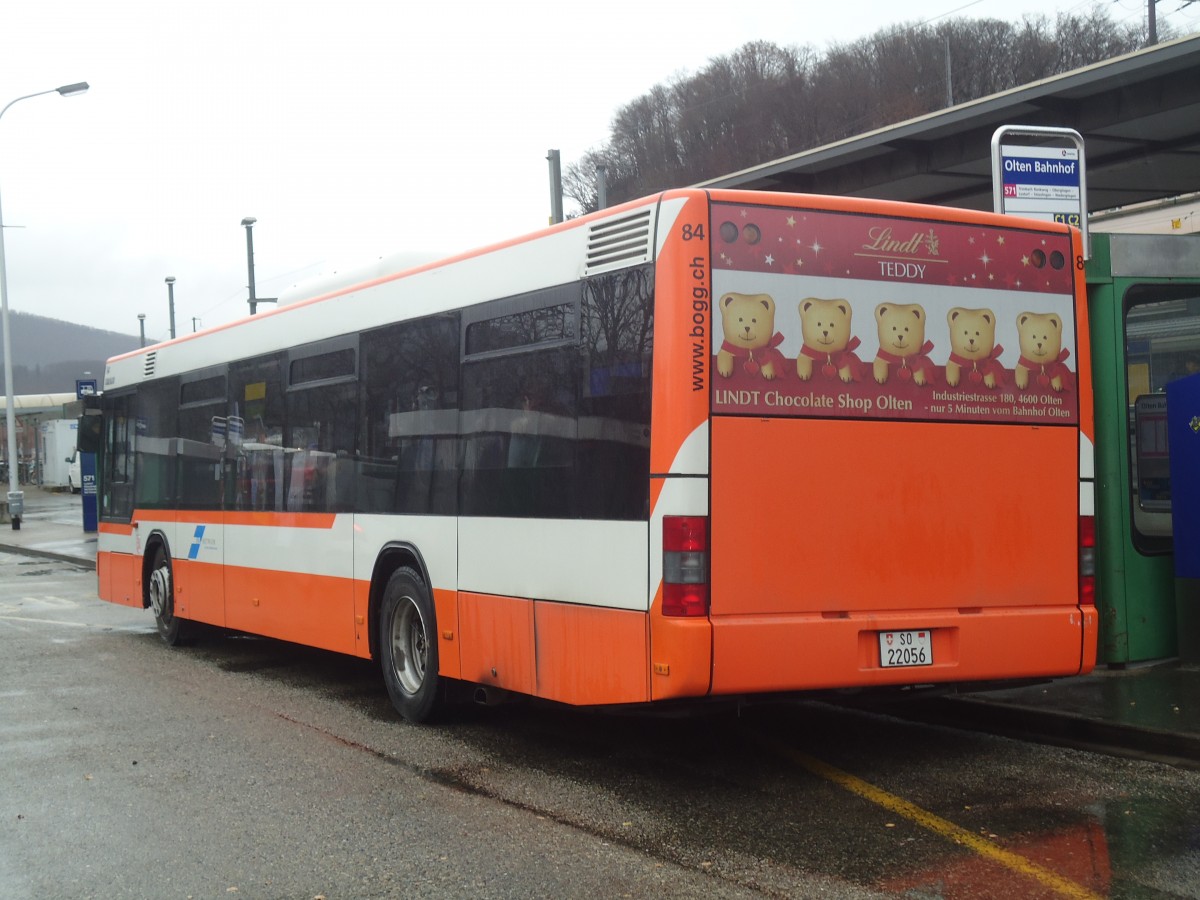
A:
(1042, 353)
(973, 347)
(748, 321)
(902, 343)
(826, 328)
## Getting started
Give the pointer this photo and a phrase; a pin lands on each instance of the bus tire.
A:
(408, 650)
(161, 590)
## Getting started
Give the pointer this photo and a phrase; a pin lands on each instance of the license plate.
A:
(905, 648)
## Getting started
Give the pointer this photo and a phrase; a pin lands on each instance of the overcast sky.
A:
(350, 130)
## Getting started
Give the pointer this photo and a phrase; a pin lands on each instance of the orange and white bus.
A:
(709, 443)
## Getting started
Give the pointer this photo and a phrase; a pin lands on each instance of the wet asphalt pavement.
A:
(243, 767)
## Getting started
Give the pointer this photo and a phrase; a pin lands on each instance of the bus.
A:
(707, 444)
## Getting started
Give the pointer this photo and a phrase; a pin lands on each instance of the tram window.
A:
(1162, 343)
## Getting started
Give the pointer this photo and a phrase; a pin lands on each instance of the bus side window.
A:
(156, 430)
(409, 449)
(614, 411)
(322, 400)
(256, 402)
(116, 497)
(202, 435)
(520, 425)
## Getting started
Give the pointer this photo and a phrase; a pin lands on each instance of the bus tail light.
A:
(685, 566)
(1087, 560)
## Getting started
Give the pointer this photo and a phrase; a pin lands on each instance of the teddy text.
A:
(901, 270)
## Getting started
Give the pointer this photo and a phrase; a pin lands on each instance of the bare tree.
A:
(763, 101)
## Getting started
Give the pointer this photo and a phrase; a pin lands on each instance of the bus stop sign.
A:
(1041, 180)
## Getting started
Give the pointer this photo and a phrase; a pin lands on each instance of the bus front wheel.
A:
(408, 651)
(172, 629)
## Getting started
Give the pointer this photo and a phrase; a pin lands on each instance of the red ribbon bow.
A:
(982, 368)
(767, 354)
(1056, 368)
(918, 362)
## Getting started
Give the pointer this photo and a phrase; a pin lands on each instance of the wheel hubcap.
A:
(410, 647)
(160, 593)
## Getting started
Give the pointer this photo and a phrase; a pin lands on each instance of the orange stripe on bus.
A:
(680, 654)
(557, 651)
(315, 610)
(118, 578)
(1083, 340)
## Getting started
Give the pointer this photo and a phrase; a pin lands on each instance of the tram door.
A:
(1144, 306)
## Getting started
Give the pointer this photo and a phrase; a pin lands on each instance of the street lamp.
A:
(16, 499)
(171, 302)
(142, 326)
(248, 223)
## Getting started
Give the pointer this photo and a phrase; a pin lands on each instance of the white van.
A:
(74, 478)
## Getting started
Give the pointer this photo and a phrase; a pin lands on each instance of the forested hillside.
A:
(50, 354)
(765, 101)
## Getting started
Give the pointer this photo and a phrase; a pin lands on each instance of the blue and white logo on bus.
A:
(197, 540)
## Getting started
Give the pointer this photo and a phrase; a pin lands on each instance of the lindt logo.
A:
(883, 241)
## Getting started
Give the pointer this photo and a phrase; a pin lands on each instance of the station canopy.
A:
(1139, 115)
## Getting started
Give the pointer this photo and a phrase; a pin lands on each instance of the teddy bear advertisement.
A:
(830, 314)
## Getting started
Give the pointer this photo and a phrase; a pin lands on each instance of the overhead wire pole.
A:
(556, 204)
(248, 223)
(170, 279)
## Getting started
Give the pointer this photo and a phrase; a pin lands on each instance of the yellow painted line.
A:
(1014, 861)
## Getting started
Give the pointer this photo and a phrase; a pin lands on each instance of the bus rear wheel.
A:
(408, 651)
(173, 630)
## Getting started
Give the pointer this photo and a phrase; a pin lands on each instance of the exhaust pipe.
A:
(491, 696)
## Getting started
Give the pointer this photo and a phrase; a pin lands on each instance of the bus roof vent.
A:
(620, 241)
(151, 359)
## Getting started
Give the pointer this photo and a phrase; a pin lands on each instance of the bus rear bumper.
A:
(759, 654)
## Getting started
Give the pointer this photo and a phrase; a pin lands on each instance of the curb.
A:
(1063, 728)
(79, 561)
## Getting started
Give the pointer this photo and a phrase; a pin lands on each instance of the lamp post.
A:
(171, 301)
(248, 222)
(16, 499)
(142, 326)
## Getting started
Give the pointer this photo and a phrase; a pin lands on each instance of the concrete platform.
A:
(52, 526)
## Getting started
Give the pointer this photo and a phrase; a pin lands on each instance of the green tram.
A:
(1144, 310)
